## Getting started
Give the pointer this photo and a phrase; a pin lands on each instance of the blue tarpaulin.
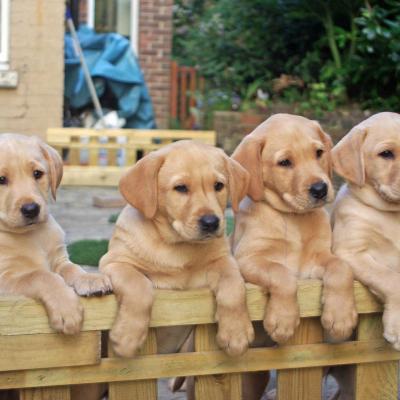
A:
(112, 65)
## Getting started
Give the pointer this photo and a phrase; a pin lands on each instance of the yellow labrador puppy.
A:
(366, 214)
(171, 235)
(33, 257)
(282, 232)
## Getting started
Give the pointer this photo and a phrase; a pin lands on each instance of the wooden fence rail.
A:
(33, 356)
(98, 157)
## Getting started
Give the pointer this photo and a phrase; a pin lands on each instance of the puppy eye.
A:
(387, 154)
(181, 188)
(37, 174)
(319, 153)
(3, 180)
(218, 186)
(285, 163)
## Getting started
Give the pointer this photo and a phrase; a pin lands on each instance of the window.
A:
(119, 16)
(4, 32)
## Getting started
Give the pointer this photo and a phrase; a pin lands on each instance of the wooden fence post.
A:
(304, 383)
(145, 389)
(215, 387)
(378, 380)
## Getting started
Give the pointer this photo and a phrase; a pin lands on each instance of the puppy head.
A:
(288, 158)
(369, 155)
(28, 169)
(188, 184)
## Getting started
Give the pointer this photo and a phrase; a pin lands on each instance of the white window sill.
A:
(8, 78)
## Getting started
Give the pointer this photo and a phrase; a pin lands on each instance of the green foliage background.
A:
(342, 50)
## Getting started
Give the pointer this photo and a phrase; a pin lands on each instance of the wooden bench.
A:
(43, 364)
(98, 157)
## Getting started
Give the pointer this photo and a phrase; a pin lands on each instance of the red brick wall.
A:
(155, 45)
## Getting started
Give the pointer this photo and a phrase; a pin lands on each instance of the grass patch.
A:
(112, 219)
(87, 252)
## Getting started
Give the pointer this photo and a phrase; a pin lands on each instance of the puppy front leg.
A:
(62, 304)
(84, 283)
(134, 293)
(282, 315)
(339, 315)
(385, 283)
(235, 330)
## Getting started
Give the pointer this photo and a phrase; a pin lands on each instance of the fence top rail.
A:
(19, 315)
(55, 133)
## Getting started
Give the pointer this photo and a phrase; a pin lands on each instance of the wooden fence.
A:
(98, 157)
(43, 364)
(185, 85)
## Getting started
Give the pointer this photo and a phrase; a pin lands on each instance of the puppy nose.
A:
(30, 210)
(319, 190)
(209, 223)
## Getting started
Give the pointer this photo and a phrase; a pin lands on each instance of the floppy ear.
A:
(327, 141)
(248, 155)
(139, 184)
(238, 182)
(348, 159)
(55, 164)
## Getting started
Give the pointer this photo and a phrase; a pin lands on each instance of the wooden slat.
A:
(174, 90)
(19, 315)
(204, 363)
(93, 151)
(377, 381)
(56, 393)
(74, 154)
(306, 383)
(64, 135)
(48, 350)
(144, 389)
(216, 387)
(112, 153)
(182, 101)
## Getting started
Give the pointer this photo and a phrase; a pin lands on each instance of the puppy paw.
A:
(127, 337)
(92, 284)
(391, 325)
(235, 334)
(281, 322)
(339, 319)
(65, 313)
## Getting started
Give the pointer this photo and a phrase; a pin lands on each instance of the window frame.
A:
(134, 31)
(5, 34)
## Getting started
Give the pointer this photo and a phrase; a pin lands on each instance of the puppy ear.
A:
(327, 141)
(139, 184)
(55, 164)
(248, 155)
(348, 159)
(239, 180)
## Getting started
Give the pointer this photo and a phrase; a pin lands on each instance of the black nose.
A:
(30, 210)
(319, 190)
(209, 223)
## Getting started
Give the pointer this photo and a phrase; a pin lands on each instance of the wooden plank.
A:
(305, 383)
(182, 102)
(174, 90)
(216, 387)
(204, 363)
(51, 393)
(48, 350)
(377, 381)
(63, 135)
(93, 151)
(112, 153)
(19, 315)
(144, 389)
(74, 157)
